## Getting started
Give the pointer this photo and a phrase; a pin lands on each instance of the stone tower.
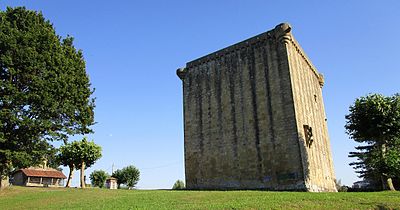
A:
(254, 118)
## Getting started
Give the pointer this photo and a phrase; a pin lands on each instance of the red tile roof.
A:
(43, 173)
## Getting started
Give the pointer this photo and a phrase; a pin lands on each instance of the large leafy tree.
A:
(44, 89)
(98, 177)
(374, 121)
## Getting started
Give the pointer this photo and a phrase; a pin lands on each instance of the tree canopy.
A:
(178, 185)
(132, 175)
(66, 157)
(87, 153)
(119, 175)
(45, 93)
(79, 155)
(129, 176)
(98, 178)
(374, 121)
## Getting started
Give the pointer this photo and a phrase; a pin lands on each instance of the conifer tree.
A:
(374, 121)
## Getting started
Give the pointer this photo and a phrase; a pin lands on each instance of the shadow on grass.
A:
(382, 207)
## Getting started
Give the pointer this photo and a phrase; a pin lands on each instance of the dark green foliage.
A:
(179, 185)
(129, 176)
(52, 158)
(44, 89)
(374, 120)
(98, 178)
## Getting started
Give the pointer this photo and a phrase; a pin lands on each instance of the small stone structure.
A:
(254, 118)
(38, 177)
(111, 183)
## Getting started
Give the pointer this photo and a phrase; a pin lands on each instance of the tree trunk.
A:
(71, 174)
(389, 183)
(4, 182)
(386, 181)
(83, 184)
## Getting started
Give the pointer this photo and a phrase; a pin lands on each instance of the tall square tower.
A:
(254, 118)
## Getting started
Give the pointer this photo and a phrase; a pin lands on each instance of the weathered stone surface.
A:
(247, 110)
(4, 182)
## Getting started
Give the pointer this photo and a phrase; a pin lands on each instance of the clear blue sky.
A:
(132, 49)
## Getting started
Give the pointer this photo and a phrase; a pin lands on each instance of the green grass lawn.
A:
(48, 198)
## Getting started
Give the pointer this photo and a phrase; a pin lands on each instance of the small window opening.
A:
(308, 135)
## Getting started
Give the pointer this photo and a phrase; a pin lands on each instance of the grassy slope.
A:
(46, 198)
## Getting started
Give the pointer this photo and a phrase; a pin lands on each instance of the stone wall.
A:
(307, 86)
(4, 182)
(242, 119)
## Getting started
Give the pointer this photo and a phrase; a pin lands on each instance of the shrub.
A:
(98, 178)
(128, 176)
(179, 185)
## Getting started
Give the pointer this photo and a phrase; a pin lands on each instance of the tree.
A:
(51, 158)
(87, 153)
(119, 175)
(79, 155)
(129, 175)
(132, 175)
(44, 89)
(98, 177)
(66, 157)
(374, 120)
(178, 185)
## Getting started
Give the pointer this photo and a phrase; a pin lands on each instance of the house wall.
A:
(111, 184)
(19, 179)
(44, 182)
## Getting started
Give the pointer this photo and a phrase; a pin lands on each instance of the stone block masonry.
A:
(254, 118)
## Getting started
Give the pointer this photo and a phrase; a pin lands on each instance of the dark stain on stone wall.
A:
(232, 66)
(252, 76)
(268, 94)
